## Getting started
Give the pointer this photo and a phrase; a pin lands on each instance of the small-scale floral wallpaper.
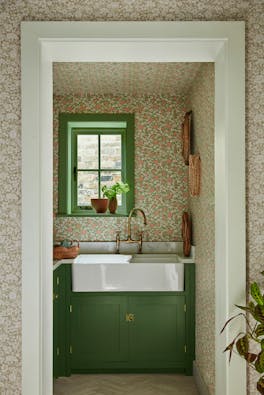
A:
(202, 210)
(131, 79)
(12, 12)
(161, 188)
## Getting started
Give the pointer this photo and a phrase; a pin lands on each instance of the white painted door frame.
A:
(47, 42)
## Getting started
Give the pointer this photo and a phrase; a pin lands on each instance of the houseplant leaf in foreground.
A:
(253, 314)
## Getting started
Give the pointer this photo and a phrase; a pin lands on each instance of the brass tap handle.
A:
(118, 242)
(140, 242)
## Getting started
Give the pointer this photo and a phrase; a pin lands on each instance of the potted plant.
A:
(253, 314)
(99, 204)
(111, 193)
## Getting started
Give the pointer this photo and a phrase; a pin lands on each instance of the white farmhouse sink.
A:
(93, 259)
(120, 273)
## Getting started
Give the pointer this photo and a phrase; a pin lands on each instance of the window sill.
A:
(92, 215)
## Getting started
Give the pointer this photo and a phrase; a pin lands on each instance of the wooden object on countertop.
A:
(186, 233)
(61, 252)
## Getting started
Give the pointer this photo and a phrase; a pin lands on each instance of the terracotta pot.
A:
(100, 205)
(112, 205)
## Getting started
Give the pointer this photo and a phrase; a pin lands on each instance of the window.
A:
(94, 150)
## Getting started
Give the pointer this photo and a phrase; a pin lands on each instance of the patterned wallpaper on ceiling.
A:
(160, 176)
(11, 15)
(201, 101)
(133, 79)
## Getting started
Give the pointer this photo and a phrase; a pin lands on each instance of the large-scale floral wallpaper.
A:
(11, 15)
(160, 176)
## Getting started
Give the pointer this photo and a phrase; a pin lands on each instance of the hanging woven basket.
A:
(186, 233)
(186, 136)
(195, 174)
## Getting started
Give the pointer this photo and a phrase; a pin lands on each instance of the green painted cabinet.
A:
(56, 351)
(99, 336)
(157, 333)
(60, 322)
(125, 331)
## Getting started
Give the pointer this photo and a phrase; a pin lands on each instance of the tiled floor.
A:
(125, 384)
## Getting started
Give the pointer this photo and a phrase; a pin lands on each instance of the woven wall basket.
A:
(186, 233)
(186, 136)
(195, 174)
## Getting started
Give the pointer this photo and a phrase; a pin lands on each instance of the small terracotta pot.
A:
(112, 205)
(100, 205)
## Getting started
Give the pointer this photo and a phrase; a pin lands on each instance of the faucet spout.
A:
(134, 210)
(129, 238)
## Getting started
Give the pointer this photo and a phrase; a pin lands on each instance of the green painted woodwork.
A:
(60, 318)
(56, 358)
(70, 125)
(98, 338)
(98, 331)
(157, 335)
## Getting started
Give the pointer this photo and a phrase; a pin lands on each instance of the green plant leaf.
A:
(260, 385)
(256, 294)
(117, 189)
(262, 344)
(231, 319)
(230, 349)
(242, 346)
(231, 345)
(259, 331)
(259, 364)
(250, 357)
(259, 313)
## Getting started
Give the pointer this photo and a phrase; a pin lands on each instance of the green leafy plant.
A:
(253, 313)
(117, 189)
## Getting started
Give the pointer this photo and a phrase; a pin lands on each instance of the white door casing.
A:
(46, 42)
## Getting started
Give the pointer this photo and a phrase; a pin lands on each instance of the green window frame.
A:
(70, 127)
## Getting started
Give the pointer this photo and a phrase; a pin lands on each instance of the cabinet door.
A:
(56, 350)
(59, 333)
(157, 333)
(99, 332)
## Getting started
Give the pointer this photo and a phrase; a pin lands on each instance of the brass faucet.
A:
(129, 238)
(135, 209)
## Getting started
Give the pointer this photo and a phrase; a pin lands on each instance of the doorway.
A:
(46, 42)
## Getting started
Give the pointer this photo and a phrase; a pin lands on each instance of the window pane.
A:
(109, 178)
(87, 151)
(111, 151)
(87, 187)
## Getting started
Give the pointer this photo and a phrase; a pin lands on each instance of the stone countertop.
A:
(182, 259)
(149, 247)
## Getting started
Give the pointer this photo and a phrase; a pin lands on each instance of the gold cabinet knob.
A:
(55, 296)
(130, 317)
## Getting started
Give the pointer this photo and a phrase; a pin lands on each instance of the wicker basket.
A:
(186, 233)
(186, 136)
(71, 252)
(195, 174)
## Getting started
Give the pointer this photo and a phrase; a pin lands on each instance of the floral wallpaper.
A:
(132, 79)
(160, 176)
(11, 14)
(201, 101)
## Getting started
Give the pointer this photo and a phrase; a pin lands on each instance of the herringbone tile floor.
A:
(125, 384)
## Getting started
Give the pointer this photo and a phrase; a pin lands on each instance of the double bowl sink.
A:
(121, 273)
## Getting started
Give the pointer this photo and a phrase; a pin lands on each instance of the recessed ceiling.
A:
(133, 79)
